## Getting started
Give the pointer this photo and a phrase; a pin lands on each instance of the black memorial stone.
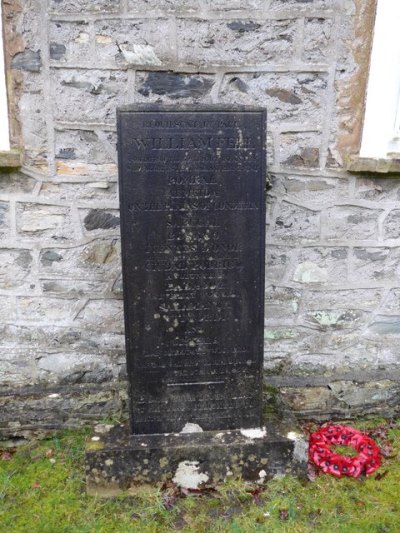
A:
(192, 226)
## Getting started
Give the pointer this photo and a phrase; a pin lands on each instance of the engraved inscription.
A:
(192, 211)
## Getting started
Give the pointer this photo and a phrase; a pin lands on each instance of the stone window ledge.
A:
(370, 164)
(11, 158)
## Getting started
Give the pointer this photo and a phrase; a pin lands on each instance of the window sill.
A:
(370, 164)
(11, 158)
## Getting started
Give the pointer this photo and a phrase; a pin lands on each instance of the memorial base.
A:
(117, 461)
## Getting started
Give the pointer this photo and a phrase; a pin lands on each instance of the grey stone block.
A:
(69, 41)
(238, 42)
(280, 94)
(295, 223)
(79, 6)
(29, 60)
(142, 42)
(44, 221)
(318, 36)
(173, 86)
(15, 267)
(351, 223)
(100, 219)
(115, 461)
(89, 95)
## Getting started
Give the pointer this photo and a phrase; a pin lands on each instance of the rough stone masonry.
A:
(333, 238)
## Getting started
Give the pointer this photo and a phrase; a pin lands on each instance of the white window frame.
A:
(4, 123)
(381, 130)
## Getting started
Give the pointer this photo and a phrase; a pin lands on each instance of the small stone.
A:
(288, 97)
(141, 54)
(191, 428)
(99, 219)
(57, 51)
(103, 428)
(309, 272)
(254, 433)
(27, 60)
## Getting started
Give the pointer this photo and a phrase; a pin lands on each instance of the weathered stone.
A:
(300, 150)
(49, 257)
(334, 318)
(306, 399)
(14, 183)
(115, 460)
(209, 221)
(25, 412)
(385, 325)
(309, 272)
(16, 367)
(375, 264)
(317, 38)
(391, 226)
(4, 219)
(391, 304)
(294, 339)
(89, 95)
(313, 191)
(94, 260)
(351, 222)
(288, 97)
(236, 42)
(281, 303)
(79, 6)
(309, 88)
(93, 191)
(73, 367)
(354, 395)
(57, 51)
(69, 41)
(294, 222)
(32, 113)
(14, 267)
(45, 309)
(243, 26)
(174, 86)
(278, 259)
(100, 219)
(136, 42)
(278, 4)
(73, 288)
(28, 60)
(102, 315)
(320, 265)
(378, 189)
(364, 299)
(117, 287)
(44, 221)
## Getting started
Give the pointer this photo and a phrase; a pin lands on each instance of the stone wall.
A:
(333, 239)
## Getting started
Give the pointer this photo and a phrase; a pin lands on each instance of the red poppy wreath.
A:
(321, 454)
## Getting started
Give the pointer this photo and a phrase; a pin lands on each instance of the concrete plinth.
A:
(115, 460)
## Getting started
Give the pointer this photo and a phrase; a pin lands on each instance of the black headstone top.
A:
(192, 224)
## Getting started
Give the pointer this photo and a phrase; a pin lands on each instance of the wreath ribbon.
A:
(320, 453)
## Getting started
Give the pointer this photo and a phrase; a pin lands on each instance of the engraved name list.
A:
(192, 227)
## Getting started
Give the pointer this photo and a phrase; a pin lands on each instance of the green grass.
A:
(42, 490)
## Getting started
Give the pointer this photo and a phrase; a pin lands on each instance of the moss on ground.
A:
(42, 490)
